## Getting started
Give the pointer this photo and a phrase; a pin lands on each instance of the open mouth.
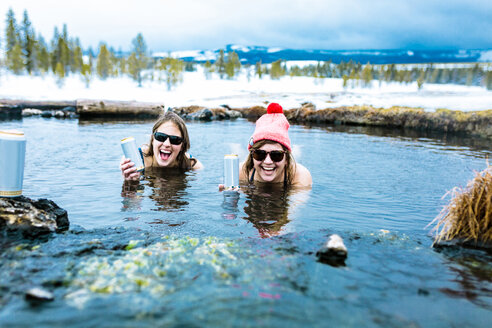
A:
(164, 154)
(268, 170)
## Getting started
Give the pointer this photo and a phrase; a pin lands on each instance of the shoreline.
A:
(471, 123)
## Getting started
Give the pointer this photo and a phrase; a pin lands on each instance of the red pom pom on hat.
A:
(272, 127)
(274, 108)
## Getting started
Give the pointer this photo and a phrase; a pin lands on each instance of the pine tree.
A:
(77, 58)
(381, 74)
(28, 42)
(15, 62)
(367, 74)
(132, 67)
(233, 65)
(12, 39)
(103, 65)
(138, 60)
(60, 74)
(276, 70)
(488, 79)
(434, 75)
(258, 69)
(444, 75)
(352, 76)
(67, 52)
(220, 64)
(208, 69)
(345, 80)
(122, 65)
(60, 52)
(421, 79)
(11, 32)
(86, 72)
(43, 55)
(173, 69)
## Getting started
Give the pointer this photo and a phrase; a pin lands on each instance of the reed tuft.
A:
(467, 218)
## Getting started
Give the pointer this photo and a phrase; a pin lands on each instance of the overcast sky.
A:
(300, 24)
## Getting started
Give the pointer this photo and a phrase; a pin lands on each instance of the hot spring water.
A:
(173, 250)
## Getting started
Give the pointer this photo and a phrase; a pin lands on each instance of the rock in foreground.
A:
(31, 218)
(334, 252)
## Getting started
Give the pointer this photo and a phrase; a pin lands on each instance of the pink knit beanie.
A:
(272, 126)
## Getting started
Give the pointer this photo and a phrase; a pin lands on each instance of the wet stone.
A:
(204, 114)
(334, 252)
(38, 295)
(31, 218)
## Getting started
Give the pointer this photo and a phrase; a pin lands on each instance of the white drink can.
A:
(131, 151)
(231, 171)
(12, 159)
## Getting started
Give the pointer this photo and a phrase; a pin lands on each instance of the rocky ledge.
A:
(31, 218)
(474, 123)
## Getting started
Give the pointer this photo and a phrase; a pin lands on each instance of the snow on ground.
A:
(290, 92)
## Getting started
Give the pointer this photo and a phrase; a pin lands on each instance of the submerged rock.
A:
(31, 112)
(204, 114)
(333, 252)
(32, 218)
(38, 295)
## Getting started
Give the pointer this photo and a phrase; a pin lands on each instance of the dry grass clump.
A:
(468, 216)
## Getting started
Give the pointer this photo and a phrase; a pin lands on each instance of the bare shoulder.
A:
(198, 165)
(302, 177)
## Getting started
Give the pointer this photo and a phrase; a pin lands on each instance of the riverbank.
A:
(473, 123)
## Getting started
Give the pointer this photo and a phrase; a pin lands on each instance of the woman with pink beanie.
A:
(270, 159)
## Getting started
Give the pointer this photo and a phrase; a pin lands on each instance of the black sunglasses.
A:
(162, 137)
(275, 155)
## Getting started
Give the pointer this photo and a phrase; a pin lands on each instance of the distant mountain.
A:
(253, 54)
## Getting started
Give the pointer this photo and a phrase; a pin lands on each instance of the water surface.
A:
(172, 250)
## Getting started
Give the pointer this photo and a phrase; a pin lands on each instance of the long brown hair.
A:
(290, 165)
(183, 161)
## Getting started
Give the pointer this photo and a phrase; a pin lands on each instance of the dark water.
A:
(172, 250)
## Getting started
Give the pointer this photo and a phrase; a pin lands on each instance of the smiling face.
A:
(165, 153)
(267, 170)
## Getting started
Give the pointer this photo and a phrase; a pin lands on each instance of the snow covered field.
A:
(290, 92)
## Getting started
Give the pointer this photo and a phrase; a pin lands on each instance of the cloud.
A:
(316, 24)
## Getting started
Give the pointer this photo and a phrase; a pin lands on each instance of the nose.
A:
(268, 159)
(167, 142)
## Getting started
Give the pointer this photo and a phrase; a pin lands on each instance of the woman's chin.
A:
(268, 177)
(165, 162)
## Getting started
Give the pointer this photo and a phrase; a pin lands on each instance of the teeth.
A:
(269, 168)
(165, 152)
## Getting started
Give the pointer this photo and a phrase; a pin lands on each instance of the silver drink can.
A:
(131, 151)
(231, 171)
(12, 159)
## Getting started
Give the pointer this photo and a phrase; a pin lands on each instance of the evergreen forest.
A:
(26, 52)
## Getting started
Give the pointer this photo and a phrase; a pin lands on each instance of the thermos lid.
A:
(127, 139)
(12, 132)
(12, 135)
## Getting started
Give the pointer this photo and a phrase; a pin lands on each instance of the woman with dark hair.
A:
(167, 148)
(270, 159)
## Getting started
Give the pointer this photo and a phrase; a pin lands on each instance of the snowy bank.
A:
(248, 90)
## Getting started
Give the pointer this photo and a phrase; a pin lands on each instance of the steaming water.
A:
(199, 257)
